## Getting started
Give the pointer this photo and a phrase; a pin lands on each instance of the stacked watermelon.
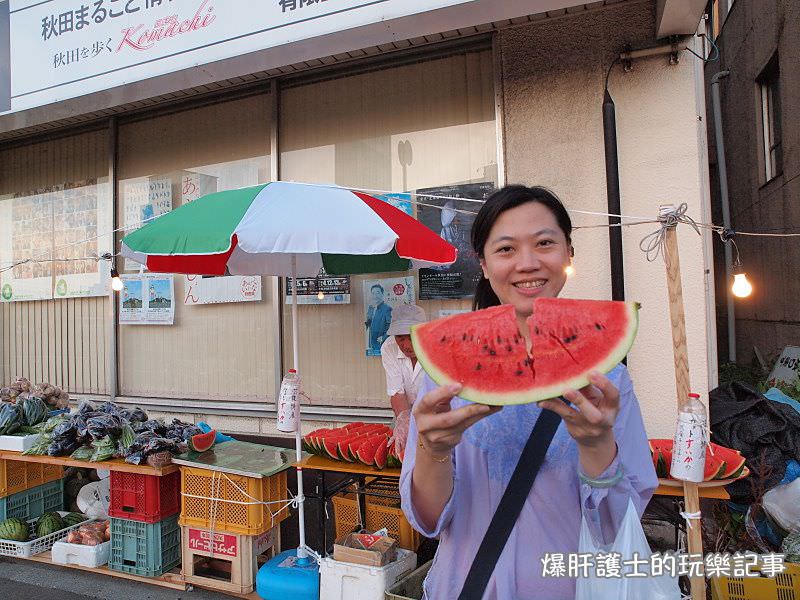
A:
(370, 444)
(721, 462)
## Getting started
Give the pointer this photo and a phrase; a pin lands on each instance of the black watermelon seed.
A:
(536, 330)
(478, 367)
(492, 353)
(518, 373)
(598, 326)
(443, 338)
(509, 348)
(464, 337)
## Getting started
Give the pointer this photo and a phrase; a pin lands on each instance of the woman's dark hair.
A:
(502, 200)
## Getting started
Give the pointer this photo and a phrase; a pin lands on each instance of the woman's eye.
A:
(546, 242)
(504, 249)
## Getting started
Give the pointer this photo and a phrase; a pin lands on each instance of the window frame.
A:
(771, 131)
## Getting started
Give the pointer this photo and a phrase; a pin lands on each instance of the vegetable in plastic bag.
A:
(82, 453)
(61, 446)
(791, 547)
(104, 425)
(40, 446)
(103, 449)
(34, 411)
(10, 418)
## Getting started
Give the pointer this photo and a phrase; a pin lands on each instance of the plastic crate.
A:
(232, 503)
(145, 549)
(381, 512)
(785, 586)
(33, 503)
(348, 581)
(18, 476)
(38, 545)
(230, 563)
(146, 498)
(410, 586)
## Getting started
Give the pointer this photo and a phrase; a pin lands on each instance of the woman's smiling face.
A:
(525, 256)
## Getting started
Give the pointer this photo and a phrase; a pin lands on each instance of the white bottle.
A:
(288, 403)
(689, 445)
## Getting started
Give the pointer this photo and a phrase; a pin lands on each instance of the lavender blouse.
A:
(551, 517)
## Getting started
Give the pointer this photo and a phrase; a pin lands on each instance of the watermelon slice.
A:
(484, 351)
(366, 451)
(203, 441)
(381, 454)
(723, 463)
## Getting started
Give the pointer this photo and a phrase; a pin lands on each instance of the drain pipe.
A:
(726, 211)
(613, 198)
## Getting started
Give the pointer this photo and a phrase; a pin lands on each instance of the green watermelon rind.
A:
(613, 358)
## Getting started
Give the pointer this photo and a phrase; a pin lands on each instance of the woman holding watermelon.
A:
(456, 472)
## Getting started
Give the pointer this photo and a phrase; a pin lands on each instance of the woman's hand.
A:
(440, 428)
(590, 421)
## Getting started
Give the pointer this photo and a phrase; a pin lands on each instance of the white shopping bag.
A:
(630, 540)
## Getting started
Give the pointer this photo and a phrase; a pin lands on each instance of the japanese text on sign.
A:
(94, 12)
(297, 4)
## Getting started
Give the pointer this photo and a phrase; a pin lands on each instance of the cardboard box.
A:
(365, 549)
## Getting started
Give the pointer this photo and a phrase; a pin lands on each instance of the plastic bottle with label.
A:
(689, 444)
(289, 403)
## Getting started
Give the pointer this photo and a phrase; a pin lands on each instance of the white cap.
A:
(403, 317)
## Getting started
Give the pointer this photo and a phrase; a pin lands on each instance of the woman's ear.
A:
(482, 262)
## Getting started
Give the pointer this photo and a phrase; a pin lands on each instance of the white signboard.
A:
(147, 300)
(143, 200)
(62, 49)
(217, 290)
(786, 367)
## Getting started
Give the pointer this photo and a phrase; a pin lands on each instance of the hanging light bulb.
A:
(116, 282)
(569, 270)
(741, 288)
(321, 296)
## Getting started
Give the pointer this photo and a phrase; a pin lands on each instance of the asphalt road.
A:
(24, 580)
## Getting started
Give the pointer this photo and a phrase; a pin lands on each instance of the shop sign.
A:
(61, 49)
(213, 542)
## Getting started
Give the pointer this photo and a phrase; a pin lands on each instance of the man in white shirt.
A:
(403, 371)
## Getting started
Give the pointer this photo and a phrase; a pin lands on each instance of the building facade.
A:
(447, 95)
(759, 45)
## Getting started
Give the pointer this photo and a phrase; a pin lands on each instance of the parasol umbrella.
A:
(287, 229)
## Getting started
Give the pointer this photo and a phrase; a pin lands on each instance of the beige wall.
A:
(553, 91)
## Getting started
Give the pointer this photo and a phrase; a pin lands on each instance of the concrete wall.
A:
(750, 35)
(553, 77)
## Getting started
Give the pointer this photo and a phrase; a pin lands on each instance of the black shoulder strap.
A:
(510, 505)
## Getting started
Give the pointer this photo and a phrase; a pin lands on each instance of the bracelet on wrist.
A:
(435, 458)
(602, 483)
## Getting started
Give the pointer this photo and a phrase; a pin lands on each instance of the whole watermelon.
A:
(35, 411)
(49, 523)
(73, 518)
(10, 418)
(14, 529)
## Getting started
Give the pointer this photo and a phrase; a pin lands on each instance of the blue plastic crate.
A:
(146, 549)
(33, 503)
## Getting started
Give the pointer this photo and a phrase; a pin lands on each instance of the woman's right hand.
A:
(440, 428)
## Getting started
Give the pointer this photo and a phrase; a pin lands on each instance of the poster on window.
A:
(147, 300)
(323, 289)
(143, 200)
(82, 220)
(54, 236)
(452, 220)
(398, 200)
(220, 290)
(380, 297)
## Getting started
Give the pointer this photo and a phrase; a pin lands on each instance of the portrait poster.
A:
(380, 297)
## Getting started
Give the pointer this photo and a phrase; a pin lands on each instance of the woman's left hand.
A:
(591, 419)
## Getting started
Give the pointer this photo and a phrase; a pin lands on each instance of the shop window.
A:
(214, 341)
(422, 127)
(55, 221)
(770, 94)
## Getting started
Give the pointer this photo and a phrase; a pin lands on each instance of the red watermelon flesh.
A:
(381, 454)
(484, 351)
(724, 463)
(366, 451)
(344, 454)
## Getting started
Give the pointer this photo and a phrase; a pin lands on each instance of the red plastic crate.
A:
(144, 498)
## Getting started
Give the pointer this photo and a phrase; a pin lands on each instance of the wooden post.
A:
(681, 359)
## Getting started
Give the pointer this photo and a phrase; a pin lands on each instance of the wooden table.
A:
(362, 477)
(116, 464)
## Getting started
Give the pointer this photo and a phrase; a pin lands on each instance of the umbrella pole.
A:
(301, 550)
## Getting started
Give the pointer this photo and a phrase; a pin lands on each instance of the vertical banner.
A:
(452, 222)
(380, 297)
(5, 57)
